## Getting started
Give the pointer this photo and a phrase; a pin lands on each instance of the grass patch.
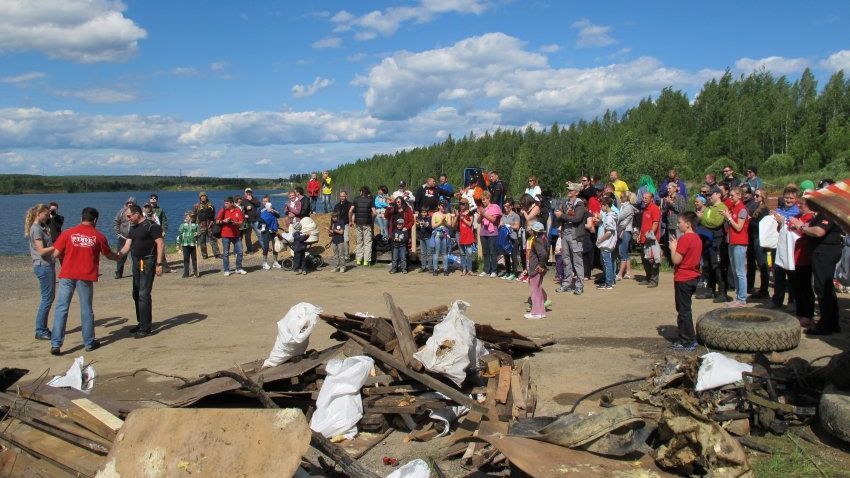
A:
(789, 461)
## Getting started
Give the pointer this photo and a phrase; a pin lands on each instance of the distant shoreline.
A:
(34, 184)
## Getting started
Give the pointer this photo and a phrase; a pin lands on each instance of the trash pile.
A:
(431, 374)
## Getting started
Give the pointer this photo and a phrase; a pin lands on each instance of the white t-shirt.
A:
(534, 192)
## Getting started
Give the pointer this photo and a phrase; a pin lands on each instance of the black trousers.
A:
(684, 292)
(119, 264)
(190, 254)
(144, 272)
(823, 270)
(651, 269)
(801, 288)
(712, 263)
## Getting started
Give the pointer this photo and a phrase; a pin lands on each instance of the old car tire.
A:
(748, 330)
(834, 412)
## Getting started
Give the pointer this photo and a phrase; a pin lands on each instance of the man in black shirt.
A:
(345, 209)
(146, 246)
(497, 190)
(426, 196)
(826, 243)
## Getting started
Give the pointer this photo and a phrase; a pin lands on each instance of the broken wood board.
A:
(58, 452)
(504, 384)
(362, 443)
(92, 416)
(406, 343)
(510, 340)
(209, 442)
(16, 463)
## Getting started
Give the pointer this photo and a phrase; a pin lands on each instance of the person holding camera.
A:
(54, 220)
(230, 218)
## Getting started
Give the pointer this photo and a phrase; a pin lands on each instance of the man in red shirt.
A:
(230, 219)
(649, 235)
(313, 187)
(80, 248)
(686, 252)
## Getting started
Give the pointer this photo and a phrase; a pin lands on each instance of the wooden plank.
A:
(402, 331)
(94, 417)
(382, 332)
(58, 452)
(431, 382)
(504, 384)
(428, 315)
(16, 463)
(390, 389)
(517, 396)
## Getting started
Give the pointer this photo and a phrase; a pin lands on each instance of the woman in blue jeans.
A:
(41, 252)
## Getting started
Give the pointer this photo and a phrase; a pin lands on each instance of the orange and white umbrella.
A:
(834, 201)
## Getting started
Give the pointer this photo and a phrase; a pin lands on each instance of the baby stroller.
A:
(284, 242)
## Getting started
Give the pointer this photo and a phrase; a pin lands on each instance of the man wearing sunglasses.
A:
(753, 180)
(729, 178)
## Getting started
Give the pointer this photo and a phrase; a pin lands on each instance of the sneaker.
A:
(721, 299)
(547, 304)
(227, 273)
(435, 273)
(42, 337)
(627, 276)
(134, 329)
(604, 287)
(404, 271)
(392, 271)
(530, 316)
(94, 346)
(564, 288)
(483, 274)
(196, 274)
(55, 351)
(241, 271)
(276, 265)
(683, 347)
(578, 291)
(446, 272)
(342, 269)
(510, 277)
(652, 284)
(704, 295)
(141, 334)
(524, 280)
(266, 266)
(184, 276)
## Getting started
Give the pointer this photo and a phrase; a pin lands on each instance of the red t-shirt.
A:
(742, 237)
(690, 248)
(650, 214)
(313, 188)
(728, 203)
(467, 234)
(230, 231)
(803, 246)
(593, 205)
(81, 247)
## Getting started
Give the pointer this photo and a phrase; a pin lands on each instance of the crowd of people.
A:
(723, 240)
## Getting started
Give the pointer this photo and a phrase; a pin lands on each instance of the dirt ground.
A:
(213, 322)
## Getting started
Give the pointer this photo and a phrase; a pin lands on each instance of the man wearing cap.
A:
(205, 217)
(327, 191)
(404, 193)
(572, 215)
(163, 222)
(122, 228)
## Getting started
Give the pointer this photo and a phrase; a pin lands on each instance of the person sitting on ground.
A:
(687, 250)
(400, 238)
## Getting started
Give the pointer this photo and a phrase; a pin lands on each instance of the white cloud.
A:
(302, 91)
(357, 57)
(218, 65)
(327, 42)
(775, 64)
(407, 83)
(839, 60)
(99, 95)
(122, 159)
(387, 22)
(37, 128)
(264, 162)
(84, 31)
(592, 35)
(23, 78)
(551, 48)
(184, 72)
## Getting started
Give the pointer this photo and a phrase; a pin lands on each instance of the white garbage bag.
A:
(293, 333)
(412, 469)
(453, 346)
(339, 407)
(718, 370)
(78, 377)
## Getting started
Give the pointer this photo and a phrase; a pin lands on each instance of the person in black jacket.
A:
(364, 218)
(426, 196)
(55, 221)
(251, 206)
(497, 190)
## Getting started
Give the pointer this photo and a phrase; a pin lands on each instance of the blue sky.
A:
(266, 89)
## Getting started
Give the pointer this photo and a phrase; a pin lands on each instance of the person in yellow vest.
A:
(620, 186)
(327, 191)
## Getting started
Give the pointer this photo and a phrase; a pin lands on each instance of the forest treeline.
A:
(24, 183)
(760, 120)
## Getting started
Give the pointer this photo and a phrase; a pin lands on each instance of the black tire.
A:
(287, 264)
(834, 412)
(749, 330)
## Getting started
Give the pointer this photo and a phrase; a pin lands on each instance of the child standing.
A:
(400, 238)
(337, 233)
(686, 252)
(187, 239)
(268, 231)
(538, 255)
(299, 249)
(607, 241)
(423, 232)
(466, 237)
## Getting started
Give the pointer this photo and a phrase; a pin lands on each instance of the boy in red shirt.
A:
(686, 252)
(79, 248)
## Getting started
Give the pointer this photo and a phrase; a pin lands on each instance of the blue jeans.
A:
(625, 245)
(465, 257)
(257, 232)
(326, 202)
(46, 274)
(237, 248)
(381, 221)
(85, 293)
(738, 263)
(424, 252)
(607, 266)
(399, 258)
(440, 247)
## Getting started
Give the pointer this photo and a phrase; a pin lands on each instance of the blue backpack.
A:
(503, 240)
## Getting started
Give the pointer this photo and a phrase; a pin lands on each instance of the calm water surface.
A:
(175, 204)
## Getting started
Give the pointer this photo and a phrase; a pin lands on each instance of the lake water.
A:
(175, 204)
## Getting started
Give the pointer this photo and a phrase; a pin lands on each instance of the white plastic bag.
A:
(293, 333)
(76, 377)
(339, 407)
(412, 469)
(785, 249)
(718, 370)
(768, 232)
(453, 346)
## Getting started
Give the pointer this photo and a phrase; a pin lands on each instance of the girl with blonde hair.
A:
(41, 251)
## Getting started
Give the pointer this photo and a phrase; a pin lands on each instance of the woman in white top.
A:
(533, 189)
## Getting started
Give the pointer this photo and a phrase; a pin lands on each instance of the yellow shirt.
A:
(620, 187)
(327, 185)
